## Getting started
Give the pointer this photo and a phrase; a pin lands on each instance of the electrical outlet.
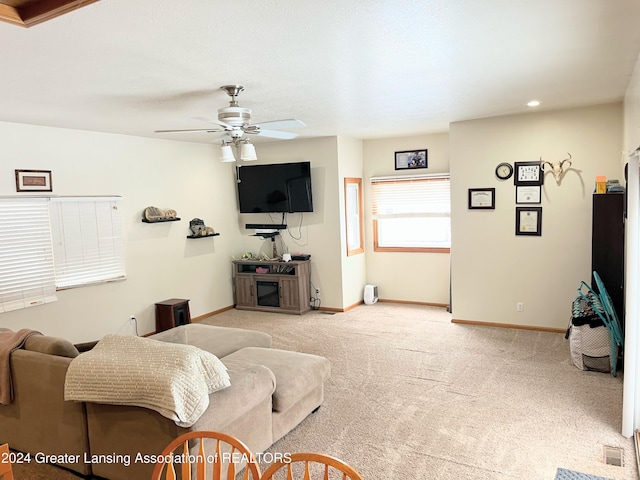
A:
(132, 319)
(520, 307)
(317, 292)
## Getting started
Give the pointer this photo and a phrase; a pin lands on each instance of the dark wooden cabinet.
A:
(607, 248)
(272, 286)
(172, 313)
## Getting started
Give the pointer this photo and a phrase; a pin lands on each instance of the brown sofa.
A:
(271, 392)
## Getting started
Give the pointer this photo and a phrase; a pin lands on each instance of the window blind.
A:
(88, 240)
(26, 256)
(411, 197)
(411, 212)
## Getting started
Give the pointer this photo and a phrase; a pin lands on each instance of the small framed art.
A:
(33, 181)
(482, 198)
(528, 173)
(529, 221)
(411, 159)
(528, 194)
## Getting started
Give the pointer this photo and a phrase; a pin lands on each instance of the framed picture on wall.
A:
(528, 194)
(482, 198)
(411, 159)
(529, 221)
(528, 173)
(33, 181)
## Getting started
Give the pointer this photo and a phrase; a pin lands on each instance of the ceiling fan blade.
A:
(193, 130)
(217, 122)
(275, 134)
(208, 130)
(286, 124)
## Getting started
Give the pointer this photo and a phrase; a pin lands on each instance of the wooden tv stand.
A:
(272, 286)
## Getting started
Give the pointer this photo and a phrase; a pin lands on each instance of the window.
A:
(411, 214)
(353, 215)
(88, 243)
(26, 256)
(52, 243)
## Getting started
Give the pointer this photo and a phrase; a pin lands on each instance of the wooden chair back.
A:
(327, 464)
(6, 472)
(228, 454)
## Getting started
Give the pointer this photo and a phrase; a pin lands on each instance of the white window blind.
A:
(88, 240)
(412, 212)
(26, 257)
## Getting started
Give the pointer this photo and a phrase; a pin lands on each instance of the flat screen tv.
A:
(278, 187)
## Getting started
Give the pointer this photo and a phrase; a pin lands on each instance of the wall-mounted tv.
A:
(278, 187)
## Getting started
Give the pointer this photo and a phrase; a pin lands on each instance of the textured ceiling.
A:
(360, 68)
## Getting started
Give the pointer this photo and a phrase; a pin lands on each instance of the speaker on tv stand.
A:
(172, 313)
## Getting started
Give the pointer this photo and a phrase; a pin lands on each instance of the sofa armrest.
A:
(39, 419)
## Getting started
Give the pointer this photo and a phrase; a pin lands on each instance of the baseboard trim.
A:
(353, 305)
(330, 309)
(509, 325)
(211, 314)
(410, 302)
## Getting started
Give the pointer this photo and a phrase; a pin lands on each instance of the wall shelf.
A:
(176, 219)
(203, 236)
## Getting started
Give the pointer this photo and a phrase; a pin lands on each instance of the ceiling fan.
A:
(235, 121)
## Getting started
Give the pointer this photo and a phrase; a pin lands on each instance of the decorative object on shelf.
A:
(482, 198)
(557, 168)
(528, 194)
(33, 181)
(411, 159)
(154, 214)
(529, 221)
(528, 173)
(504, 171)
(613, 186)
(199, 229)
(601, 184)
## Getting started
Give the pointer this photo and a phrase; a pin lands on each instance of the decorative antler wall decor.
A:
(557, 168)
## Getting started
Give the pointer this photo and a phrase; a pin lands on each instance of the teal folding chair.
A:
(601, 304)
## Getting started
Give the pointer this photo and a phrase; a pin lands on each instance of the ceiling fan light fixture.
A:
(226, 153)
(247, 152)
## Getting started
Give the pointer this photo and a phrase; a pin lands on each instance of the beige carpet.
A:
(413, 396)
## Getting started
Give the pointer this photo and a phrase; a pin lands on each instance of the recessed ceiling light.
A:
(533, 103)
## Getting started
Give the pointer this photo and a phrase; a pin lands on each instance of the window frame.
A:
(28, 275)
(354, 214)
(376, 227)
(97, 239)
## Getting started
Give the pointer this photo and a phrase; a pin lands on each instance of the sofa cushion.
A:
(296, 373)
(51, 346)
(221, 341)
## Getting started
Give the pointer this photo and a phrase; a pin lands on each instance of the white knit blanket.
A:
(173, 379)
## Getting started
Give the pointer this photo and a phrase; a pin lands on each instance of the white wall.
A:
(316, 233)
(354, 267)
(632, 113)
(161, 262)
(415, 277)
(492, 268)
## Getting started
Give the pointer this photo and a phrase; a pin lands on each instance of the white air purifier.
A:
(370, 294)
